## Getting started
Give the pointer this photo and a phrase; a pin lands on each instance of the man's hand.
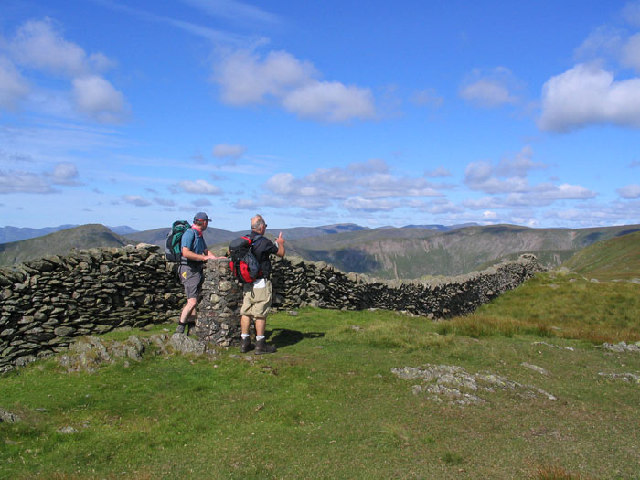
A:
(280, 244)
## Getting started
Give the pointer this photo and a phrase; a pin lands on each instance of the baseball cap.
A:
(201, 216)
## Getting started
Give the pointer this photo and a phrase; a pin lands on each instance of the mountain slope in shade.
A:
(60, 243)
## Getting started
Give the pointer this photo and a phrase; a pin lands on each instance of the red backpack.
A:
(243, 263)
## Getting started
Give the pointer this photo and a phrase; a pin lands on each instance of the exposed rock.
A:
(550, 345)
(627, 377)
(456, 386)
(87, 354)
(622, 347)
(8, 417)
(67, 430)
(187, 345)
(535, 368)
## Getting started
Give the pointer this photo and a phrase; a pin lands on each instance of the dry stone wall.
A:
(46, 303)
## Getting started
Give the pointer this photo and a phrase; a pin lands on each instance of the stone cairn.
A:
(46, 303)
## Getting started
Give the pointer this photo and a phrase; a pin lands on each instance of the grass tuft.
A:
(556, 473)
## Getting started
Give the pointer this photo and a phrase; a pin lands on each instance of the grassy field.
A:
(328, 404)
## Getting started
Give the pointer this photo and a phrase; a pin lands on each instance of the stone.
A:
(8, 417)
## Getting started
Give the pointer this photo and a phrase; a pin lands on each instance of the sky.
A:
(378, 113)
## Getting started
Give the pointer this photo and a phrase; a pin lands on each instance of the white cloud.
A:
(490, 89)
(201, 187)
(224, 150)
(96, 97)
(65, 174)
(604, 41)
(38, 45)
(509, 175)
(586, 95)
(440, 206)
(201, 202)
(427, 98)
(282, 184)
(233, 10)
(246, 79)
(23, 182)
(38, 48)
(368, 204)
(629, 191)
(481, 176)
(164, 202)
(367, 186)
(13, 87)
(631, 52)
(631, 13)
(563, 191)
(438, 172)
(508, 183)
(136, 200)
(330, 101)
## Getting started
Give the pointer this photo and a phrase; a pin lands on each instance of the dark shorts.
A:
(192, 279)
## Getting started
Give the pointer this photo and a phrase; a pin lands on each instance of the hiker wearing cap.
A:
(194, 255)
(256, 299)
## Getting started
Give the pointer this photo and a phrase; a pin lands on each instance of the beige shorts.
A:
(256, 299)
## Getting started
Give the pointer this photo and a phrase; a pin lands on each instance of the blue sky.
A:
(312, 113)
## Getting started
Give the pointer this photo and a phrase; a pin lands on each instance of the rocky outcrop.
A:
(46, 303)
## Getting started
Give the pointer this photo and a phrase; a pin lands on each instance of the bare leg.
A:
(188, 314)
(245, 324)
(260, 326)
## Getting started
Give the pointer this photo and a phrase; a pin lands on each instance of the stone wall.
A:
(45, 303)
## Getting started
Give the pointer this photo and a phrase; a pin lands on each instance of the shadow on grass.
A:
(283, 337)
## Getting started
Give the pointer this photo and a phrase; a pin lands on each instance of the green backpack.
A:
(172, 247)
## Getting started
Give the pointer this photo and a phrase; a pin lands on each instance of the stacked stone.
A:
(46, 302)
(302, 284)
(219, 309)
(316, 284)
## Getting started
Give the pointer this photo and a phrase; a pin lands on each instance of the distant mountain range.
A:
(411, 252)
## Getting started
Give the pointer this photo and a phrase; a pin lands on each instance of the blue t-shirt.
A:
(194, 241)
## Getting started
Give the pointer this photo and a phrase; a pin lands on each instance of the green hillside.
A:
(517, 391)
(60, 243)
(614, 259)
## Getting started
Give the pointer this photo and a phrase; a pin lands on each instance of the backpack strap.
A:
(183, 260)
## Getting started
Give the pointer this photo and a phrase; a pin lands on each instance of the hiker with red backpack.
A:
(257, 295)
(194, 254)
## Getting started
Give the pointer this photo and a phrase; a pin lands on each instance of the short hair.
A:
(257, 222)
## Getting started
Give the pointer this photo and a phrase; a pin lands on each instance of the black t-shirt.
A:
(263, 248)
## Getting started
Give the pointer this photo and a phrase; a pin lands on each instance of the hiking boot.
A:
(180, 328)
(262, 347)
(246, 345)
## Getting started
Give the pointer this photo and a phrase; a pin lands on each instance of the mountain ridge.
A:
(385, 253)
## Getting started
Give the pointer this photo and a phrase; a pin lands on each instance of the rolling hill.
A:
(614, 259)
